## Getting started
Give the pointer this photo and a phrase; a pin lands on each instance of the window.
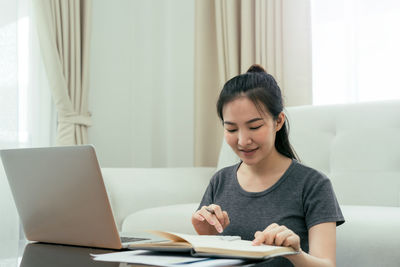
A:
(8, 80)
(26, 112)
(355, 50)
(14, 75)
(27, 116)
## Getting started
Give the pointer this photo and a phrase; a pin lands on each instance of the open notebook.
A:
(213, 246)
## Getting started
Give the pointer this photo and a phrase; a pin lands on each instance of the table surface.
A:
(46, 255)
(25, 254)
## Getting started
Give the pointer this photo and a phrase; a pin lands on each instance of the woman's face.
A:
(249, 132)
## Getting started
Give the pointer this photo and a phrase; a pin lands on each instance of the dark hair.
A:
(262, 89)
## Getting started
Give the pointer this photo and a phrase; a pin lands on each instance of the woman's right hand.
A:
(210, 220)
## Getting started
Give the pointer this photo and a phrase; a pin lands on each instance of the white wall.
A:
(141, 82)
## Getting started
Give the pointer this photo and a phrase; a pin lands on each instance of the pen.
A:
(210, 210)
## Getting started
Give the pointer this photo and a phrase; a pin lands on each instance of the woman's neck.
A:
(257, 178)
(273, 163)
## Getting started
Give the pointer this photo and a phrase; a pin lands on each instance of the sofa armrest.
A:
(133, 189)
(369, 237)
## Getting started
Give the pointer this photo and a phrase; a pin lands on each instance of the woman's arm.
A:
(322, 244)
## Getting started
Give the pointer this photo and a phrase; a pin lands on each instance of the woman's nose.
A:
(244, 138)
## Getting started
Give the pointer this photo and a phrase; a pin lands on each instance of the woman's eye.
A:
(255, 128)
(231, 130)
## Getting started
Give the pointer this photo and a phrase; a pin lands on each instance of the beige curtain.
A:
(231, 35)
(64, 35)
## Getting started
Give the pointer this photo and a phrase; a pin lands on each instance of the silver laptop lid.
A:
(60, 195)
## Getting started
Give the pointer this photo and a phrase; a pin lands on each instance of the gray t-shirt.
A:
(300, 199)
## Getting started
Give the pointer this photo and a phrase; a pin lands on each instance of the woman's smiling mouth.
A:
(248, 152)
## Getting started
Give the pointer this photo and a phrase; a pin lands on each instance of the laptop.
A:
(61, 198)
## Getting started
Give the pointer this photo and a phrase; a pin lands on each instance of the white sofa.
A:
(356, 145)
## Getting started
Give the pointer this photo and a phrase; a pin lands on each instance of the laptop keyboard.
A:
(126, 239)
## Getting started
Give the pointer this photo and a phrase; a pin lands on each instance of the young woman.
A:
(269, 196)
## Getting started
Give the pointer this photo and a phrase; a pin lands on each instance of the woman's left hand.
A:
(277, 235)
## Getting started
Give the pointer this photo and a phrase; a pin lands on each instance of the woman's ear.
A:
(280, 121)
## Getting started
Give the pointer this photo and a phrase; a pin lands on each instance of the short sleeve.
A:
(320, 203)
(217, 184)
(208, 197)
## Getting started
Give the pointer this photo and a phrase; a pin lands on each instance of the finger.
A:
(259, 238)
(270, 234)
(220, 220)
(211, 219)
(271, 226)
(218, 227)
(218, 213)
(207, 215)
(292, 241)
(281, 237)
(197, 216)
(226, 219)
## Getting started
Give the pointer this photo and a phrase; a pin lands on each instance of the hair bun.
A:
(256, 68)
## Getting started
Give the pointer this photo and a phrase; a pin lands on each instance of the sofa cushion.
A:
(370, 236)
(134, 189)
(174, 218)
